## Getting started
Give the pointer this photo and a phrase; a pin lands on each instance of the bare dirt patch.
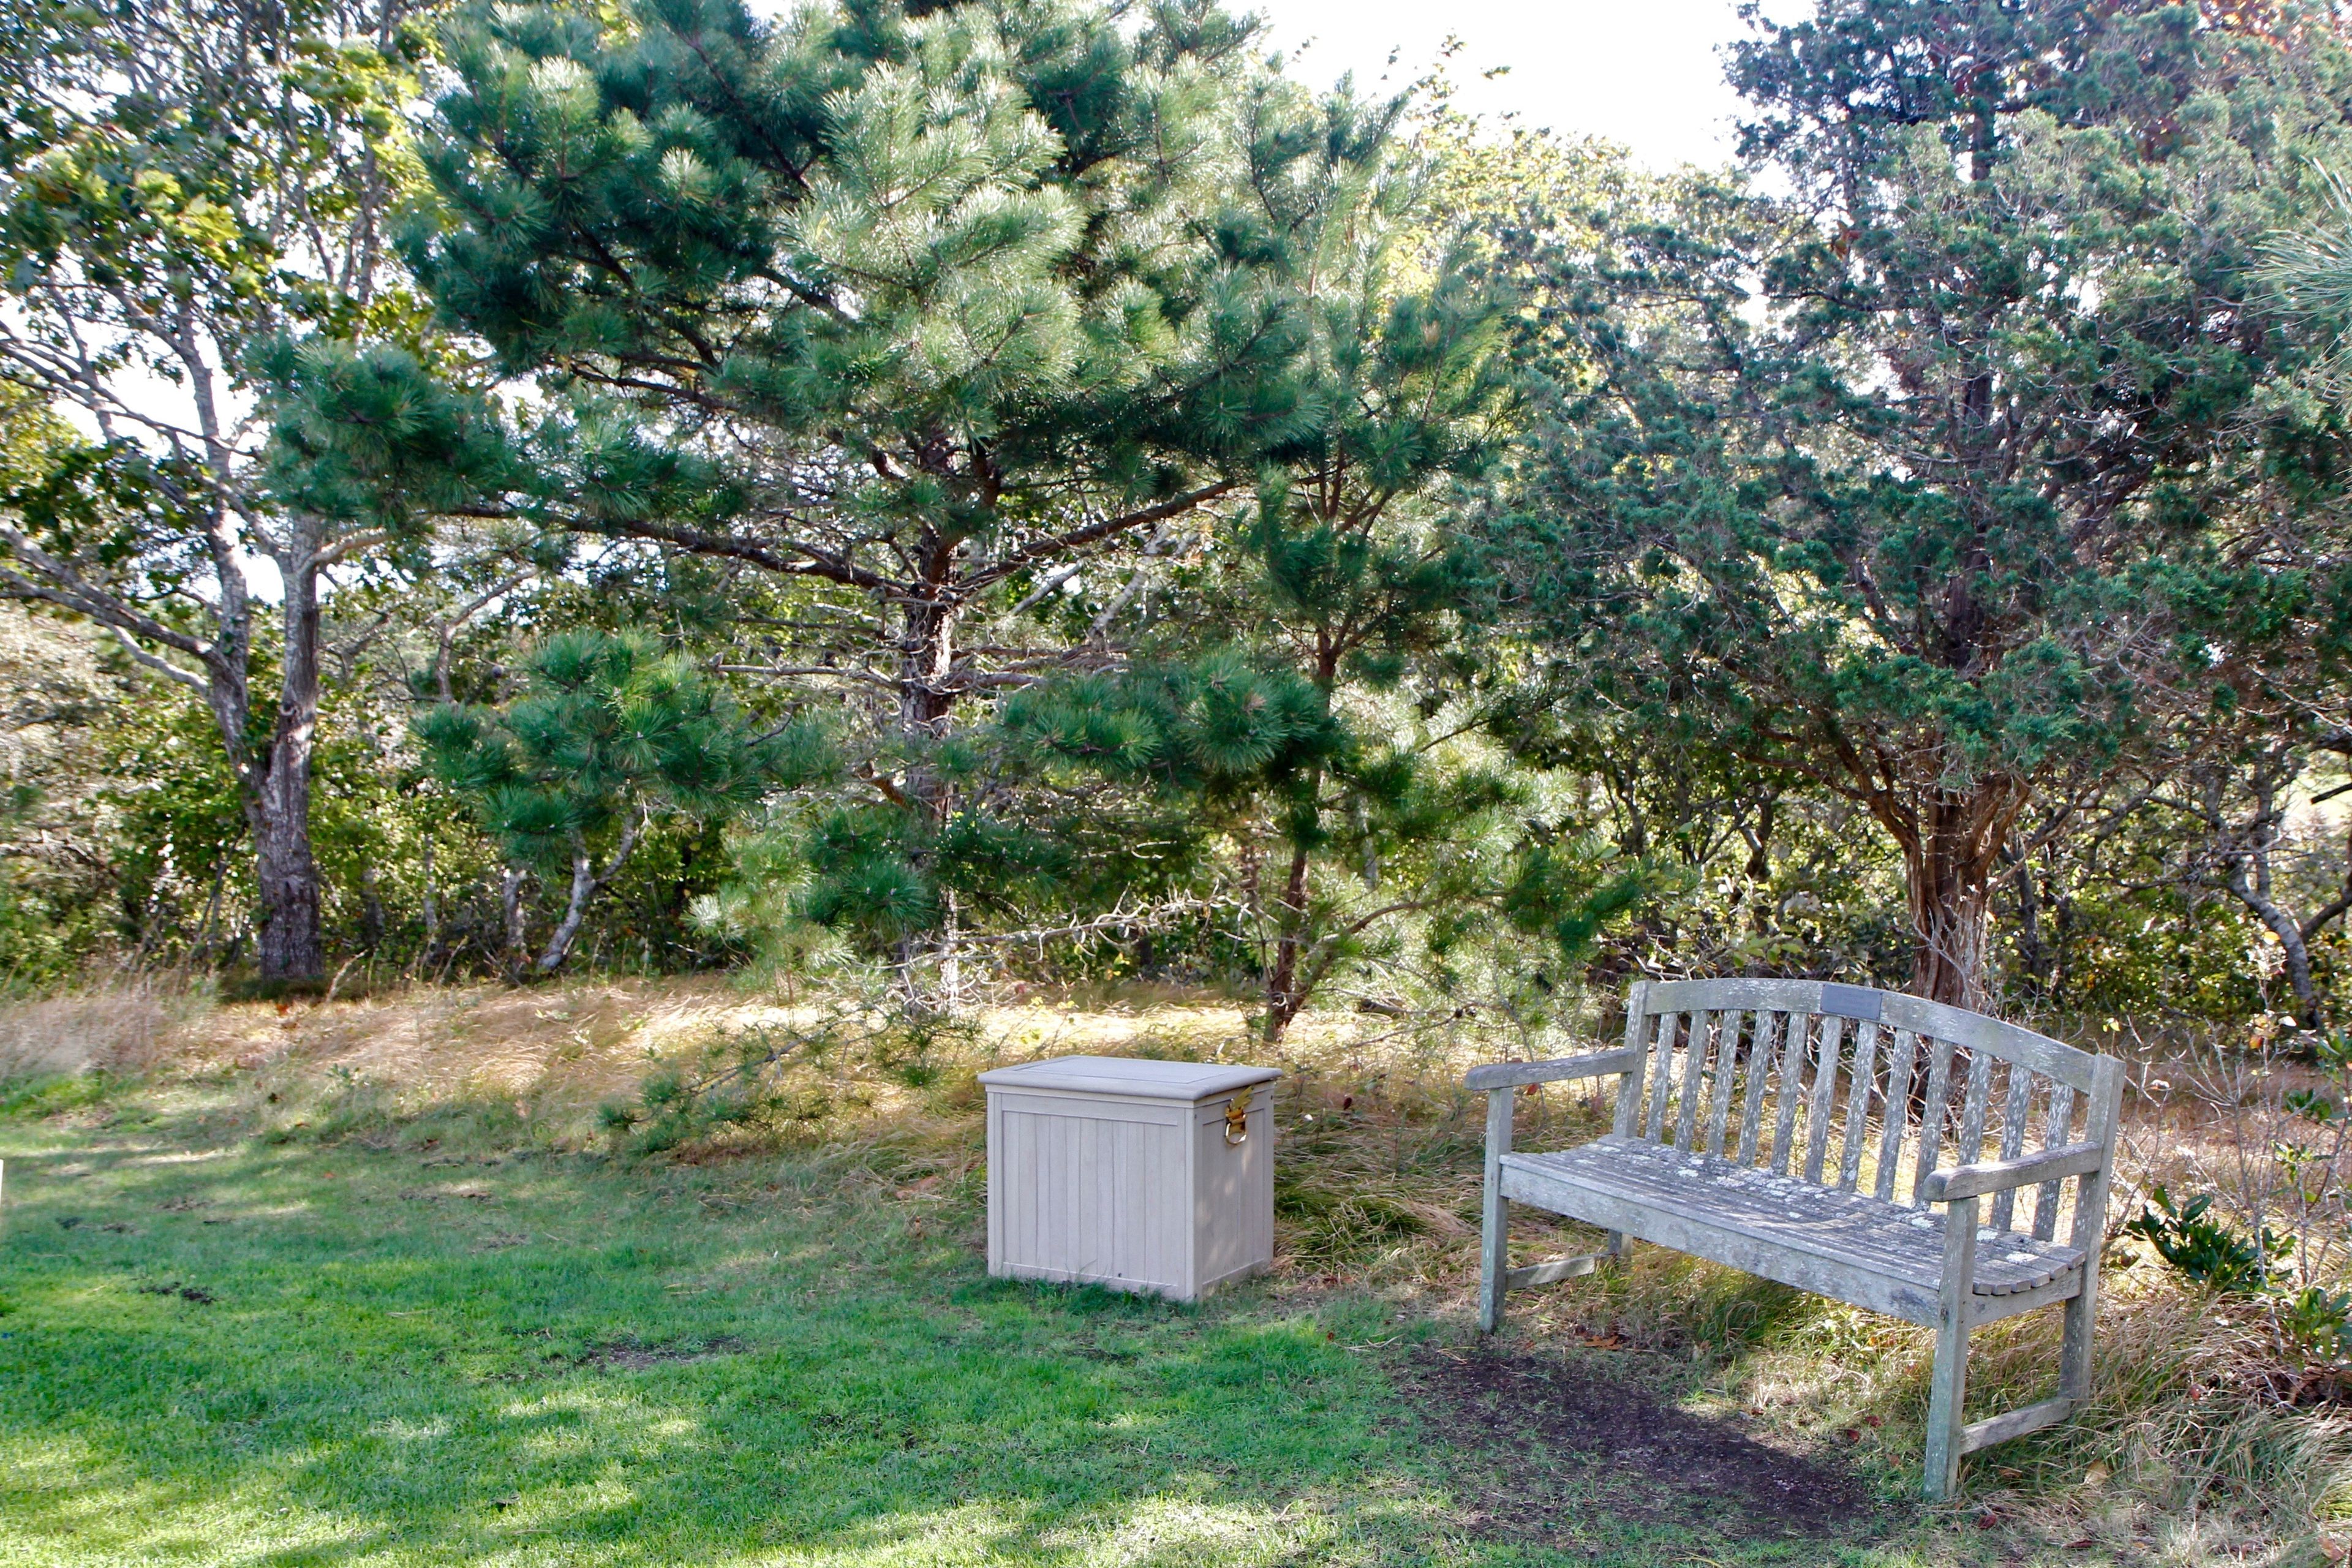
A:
(197, 1294)
(627, 1355)
(1544, 1445)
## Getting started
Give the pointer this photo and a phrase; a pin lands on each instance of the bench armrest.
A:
(1998, 1175)
(1510, 1075)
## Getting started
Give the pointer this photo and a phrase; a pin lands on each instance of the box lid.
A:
(1130, 1076)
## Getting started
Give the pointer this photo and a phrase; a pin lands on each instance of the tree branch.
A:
(156, 662)
(1094, 532)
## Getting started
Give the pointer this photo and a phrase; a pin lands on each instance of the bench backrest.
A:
(1855, 1088)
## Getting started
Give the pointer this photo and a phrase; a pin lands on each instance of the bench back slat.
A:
(2016, 1110)
(1662, 1075)
(1935, 1111)
(2103, 1103)
(1824, 1093)
(1736, 1029)
(1698, 1034)
(1900, 1065)
(2055, 1129)
(1977, 1108)
(1639, 1025)
(1840, 1085)
(1787, 1086)
(1762, 1043)
(1864, 1076)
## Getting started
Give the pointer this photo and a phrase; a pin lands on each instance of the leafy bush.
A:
(674, 1108)
(2318, 1323)
(2207, 1250)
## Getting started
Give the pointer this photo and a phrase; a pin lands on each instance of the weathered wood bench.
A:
(1855, 1111)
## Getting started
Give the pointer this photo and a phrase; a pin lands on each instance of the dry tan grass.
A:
(124, 1028)
(558, 1051)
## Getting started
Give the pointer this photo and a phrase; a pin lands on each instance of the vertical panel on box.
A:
(995, 1188)
(1020, 1189)
(1236, 1183)
(1135, 1207)
(1211, 1176)
(1259, 1211)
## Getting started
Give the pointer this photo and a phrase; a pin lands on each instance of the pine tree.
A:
(1346, 591)
(914, 307)
(608, 736)
(1935, 518)
(936, 316)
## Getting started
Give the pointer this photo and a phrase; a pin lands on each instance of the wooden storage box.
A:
(1139, 1176)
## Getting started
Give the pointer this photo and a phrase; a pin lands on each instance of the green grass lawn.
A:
(302, 1354)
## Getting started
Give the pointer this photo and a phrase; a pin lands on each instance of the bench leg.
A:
(2074, 1358)
(1948, 1383)
(1621, 1246)
(1493, 1265)
(2083, 1311)
(1495, 1238)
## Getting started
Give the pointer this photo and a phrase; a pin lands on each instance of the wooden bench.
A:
(1800, 1130)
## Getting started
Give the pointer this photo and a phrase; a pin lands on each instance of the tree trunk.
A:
(372, 909)
(1949, 860)
(2256, 896)
(1948, 964)
(2040, 962)
(432, 904)
(584, 884)
(927, 661)
(286, 871)
(585, 881)
(510, 883)
(926, 701)
(1285, 996)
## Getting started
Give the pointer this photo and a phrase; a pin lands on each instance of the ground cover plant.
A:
(376, 1282)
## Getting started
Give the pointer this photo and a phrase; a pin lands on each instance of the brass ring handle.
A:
(1237, 1111)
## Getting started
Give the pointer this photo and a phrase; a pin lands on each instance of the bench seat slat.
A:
(1759, 1216)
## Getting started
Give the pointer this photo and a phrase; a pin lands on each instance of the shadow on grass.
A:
(1548, 1448)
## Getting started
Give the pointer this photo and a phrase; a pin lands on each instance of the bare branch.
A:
(156, 662)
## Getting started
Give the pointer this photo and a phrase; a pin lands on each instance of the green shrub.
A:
(2207, 1250)
(2318, 1323)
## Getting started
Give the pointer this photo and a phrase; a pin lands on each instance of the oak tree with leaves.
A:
(183, 184)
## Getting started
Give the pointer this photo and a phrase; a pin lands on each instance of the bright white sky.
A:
(1644, 73)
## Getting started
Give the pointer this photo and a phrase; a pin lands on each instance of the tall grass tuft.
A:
(123, 1028)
